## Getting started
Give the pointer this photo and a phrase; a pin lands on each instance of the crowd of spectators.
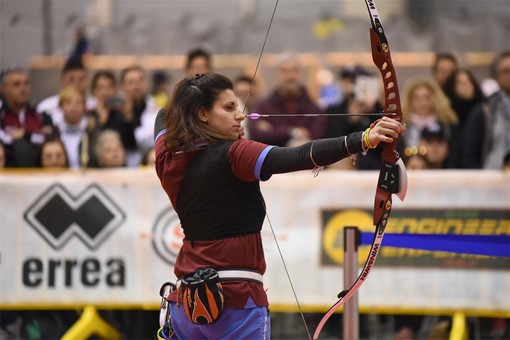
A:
(452, 123)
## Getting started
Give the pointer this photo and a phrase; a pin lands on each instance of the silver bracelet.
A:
(317, 168)
(346, 148)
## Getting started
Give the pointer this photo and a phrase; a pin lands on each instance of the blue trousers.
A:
(234, 323)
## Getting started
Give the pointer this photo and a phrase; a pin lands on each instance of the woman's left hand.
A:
(386, 130)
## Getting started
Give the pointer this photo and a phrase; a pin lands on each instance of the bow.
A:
(392, 176)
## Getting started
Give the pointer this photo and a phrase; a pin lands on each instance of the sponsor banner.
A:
(111, 237)
(423, 221)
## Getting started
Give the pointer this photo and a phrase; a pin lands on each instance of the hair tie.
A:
(196, 88)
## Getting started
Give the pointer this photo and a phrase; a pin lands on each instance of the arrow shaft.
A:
(256, 116)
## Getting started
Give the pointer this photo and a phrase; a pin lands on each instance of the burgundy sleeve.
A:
(246, 158)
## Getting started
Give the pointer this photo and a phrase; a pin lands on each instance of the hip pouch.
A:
(202, 296)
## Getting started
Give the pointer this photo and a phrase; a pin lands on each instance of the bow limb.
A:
(392, 177)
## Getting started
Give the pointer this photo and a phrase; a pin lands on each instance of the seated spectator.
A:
(73, 74)
(425, 105)
(486, 140)
(289, 97)
(433, 141)
(198, 61)
(22, 128)
(73, 128)
(444, 65)
(109, 150)
(52, 154)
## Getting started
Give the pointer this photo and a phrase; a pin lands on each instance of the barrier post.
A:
(351, 315)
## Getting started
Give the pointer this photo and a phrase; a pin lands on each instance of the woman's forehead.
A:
(226, 95)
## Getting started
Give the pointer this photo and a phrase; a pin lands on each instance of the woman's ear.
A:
(202, 115)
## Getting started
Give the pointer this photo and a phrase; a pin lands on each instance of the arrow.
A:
(258, 115)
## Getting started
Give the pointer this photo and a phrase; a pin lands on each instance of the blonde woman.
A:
(425, 105)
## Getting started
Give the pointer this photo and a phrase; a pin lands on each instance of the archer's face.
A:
(224, 118)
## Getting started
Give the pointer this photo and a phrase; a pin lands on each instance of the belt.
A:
(236, 275)
(240, 274)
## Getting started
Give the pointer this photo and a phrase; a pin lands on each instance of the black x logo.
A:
(91, 215)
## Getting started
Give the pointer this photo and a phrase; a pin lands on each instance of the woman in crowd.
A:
(464, 93)
(52, 154)
(109, 150)
(425, 105)
(109, 112)
(211, 175)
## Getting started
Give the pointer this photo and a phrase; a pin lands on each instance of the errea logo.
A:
(58, 216)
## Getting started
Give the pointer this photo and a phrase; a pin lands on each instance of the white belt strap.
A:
(240, 274)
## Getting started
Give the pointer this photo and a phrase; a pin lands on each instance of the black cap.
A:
(433, 131)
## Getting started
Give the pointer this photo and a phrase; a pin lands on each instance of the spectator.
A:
(160, 88)
(433, 141)
(109, 150)
(52, 154)
(22, 128)
(74, 75)
(109, 112)
(444, 65)
(73, 128)
(139, 110)
(425, 104)
(2, 155)
(198, 61)
(289, 97)
(486, 140)
(464, 93)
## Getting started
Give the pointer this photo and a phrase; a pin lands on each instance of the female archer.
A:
(211, 175)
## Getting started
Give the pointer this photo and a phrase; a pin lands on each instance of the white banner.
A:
(110, 238)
